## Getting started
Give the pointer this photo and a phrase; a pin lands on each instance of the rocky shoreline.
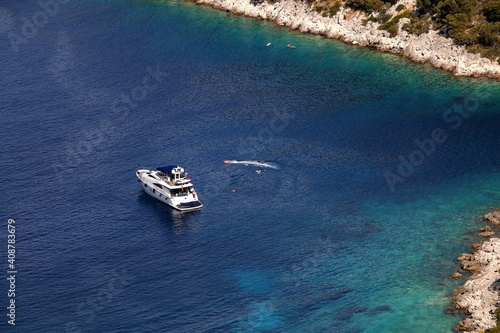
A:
(347, 26)
(479, 297)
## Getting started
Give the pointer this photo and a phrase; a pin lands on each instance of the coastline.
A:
(479, 296)
(347, 26)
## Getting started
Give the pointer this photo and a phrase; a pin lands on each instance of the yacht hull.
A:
(182, 202)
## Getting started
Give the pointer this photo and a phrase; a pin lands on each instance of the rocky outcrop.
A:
(493, 218)
(486, 232)
(479, 296)
(348, 26)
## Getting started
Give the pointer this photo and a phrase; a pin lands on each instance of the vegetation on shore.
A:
(473, 23)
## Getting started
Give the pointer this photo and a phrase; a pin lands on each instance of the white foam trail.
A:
(254, 163)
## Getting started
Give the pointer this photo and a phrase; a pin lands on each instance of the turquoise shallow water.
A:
(323, 243)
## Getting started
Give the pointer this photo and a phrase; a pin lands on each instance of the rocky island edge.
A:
(479, 297)
(351, 27)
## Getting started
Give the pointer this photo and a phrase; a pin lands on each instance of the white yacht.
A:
(170, 185)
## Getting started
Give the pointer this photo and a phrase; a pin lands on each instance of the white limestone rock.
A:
(479, 296)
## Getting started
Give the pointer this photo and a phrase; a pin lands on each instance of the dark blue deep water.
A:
(384, 167)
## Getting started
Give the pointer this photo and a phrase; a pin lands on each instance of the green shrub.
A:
(488, 35)
(425, 6)
(469, 22)
(328, 10)
(405, 14)
(368, 6)
(471, 36)
(317, 7)
(334, 9)
(369, 19)
(474, 23)
(418, 25)
(393, 30)
(392, 25)
(457, 24)
(491, 10)
(384, 18)
(446, 7)
(485, 51)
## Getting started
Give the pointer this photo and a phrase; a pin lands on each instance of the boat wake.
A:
(254, 163)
